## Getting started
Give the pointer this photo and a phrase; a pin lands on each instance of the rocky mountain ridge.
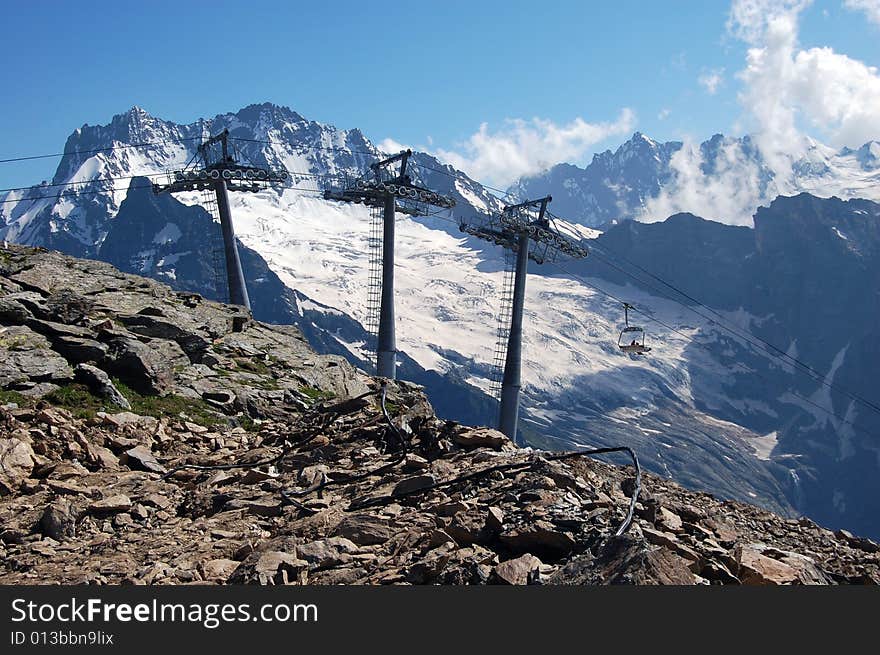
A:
(149, 436)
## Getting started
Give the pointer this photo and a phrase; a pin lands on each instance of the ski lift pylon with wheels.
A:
(632, 338)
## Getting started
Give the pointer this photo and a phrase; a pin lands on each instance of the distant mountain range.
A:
(723, 178)
(705, 408)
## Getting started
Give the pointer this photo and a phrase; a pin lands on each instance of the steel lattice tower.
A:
(393, 192)
(525, 230)
(214, 168)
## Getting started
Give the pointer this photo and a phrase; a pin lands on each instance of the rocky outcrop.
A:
(256, 461)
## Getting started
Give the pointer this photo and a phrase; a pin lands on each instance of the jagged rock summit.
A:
(149, 436)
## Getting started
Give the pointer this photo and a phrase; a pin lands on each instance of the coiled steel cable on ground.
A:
(403, 449)
(264, 462)
(624, 526)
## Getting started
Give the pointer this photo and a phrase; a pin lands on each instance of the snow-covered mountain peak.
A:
(724, 177)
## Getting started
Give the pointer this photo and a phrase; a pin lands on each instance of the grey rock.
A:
(143, 459)
(139, 365)
(270, 568)
(412, 484)
(80, 349)
(100, 384)
(327, 552)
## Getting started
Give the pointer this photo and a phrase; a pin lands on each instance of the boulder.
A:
(481, 437)
(111, 505)
(194, 345)
(32, 365)
(59, 520)
(271, 568)
(757, 567)
(326, 552)
(16, 463)
(519, 571)
(364, 529)
(540, 537)
(218, 569)
(410, 485)
(80, 349)
(139, 365)
(142, 459)
(100, 384)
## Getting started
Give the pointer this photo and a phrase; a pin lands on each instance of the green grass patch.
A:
(247, 423)
(195, 410)
(11, 342)
(253, 366)
(21, 400)
(76, 398)
(83, 404)
(316, 394)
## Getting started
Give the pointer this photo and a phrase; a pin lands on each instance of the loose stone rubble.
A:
(153, 437)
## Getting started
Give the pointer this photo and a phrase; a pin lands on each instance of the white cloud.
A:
(711, 80)
(730, 195)
(786, 91)
(871, 8)
(786, 87)
(523, 147)
(390, 146)
(663, 114)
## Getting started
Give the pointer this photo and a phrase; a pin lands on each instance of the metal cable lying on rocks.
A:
(290, 496)
(624, 526)
(265, 462)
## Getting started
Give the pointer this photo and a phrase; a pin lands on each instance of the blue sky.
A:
(425, 74)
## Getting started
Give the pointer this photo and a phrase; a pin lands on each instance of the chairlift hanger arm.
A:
(542, 202)
(403, 157)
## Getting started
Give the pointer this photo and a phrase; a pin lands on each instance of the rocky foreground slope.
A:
(153, 437)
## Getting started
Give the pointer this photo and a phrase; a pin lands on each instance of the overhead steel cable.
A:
(725, 324)
(448, 174)
(94, 180)
(690, 339)
(93, 151)
(304, 146)
(303, 190)
(369, 154)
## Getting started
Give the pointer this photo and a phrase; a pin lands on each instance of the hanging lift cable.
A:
(369, 154)
(654, 319)
(764, 345)
(96, 191)
(94, 180)
(145, 144)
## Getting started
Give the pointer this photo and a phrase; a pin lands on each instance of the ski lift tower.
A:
(525, 230)
(389, 191)
(214, 168)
